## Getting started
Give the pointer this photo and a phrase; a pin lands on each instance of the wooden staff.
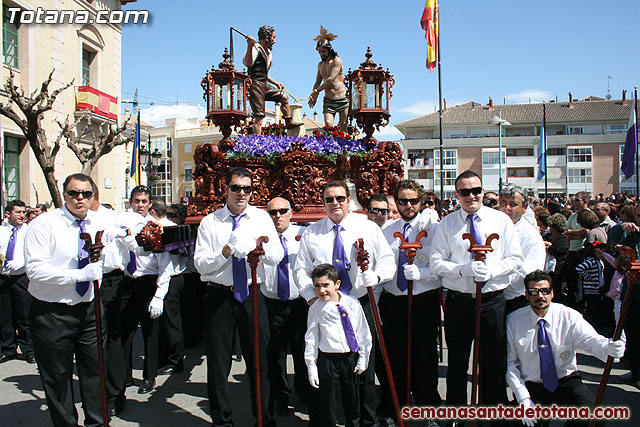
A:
(633, 275)
(410, 250)
(95, 251)
(479, 254)
(362, 259)
(253, 258)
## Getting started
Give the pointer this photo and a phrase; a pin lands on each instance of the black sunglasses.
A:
(534, 292)
(376, 211)
(430, 202)
(237, 188)
(465, 192)
(282, 211)
(404, 202)
(340, 199)
(86, 194)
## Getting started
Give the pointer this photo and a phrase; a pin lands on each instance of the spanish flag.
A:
(135, 164)
(430, 24)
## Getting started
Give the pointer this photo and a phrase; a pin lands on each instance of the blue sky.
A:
(501, 49)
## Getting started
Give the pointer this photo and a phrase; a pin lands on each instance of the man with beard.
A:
(257, 59)
(330, 71)
(425, 313)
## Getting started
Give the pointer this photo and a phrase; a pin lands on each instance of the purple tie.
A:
(283, 272)
(473, 229)
(132, 266)
(341, 262)
(239, 267)
(83, 259)
(11, 247)
(547, 365)
(403, 284)
(348, 329)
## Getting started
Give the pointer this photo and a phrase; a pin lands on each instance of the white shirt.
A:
(178, 262)
(567, 332)
(270, 287)
(449, 252)
(326, 333)
(214, 233)
(572, 224)
(116, 254)
(15, 267)
(316, 247)
(533, 246)
(51, 252)
(421, 222)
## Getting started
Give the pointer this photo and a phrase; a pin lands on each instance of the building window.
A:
(628, 185)
(449, 177)
(520, 172)
(484, 132)
(556, 151)
(163, 190)
(188, 193)
(490, 157)
(187, 174)
(520, 152)
(87, 58)
(576, 130)
(187, 148)
(450, 158)
(164, 171)
(578, 154)
(10, 39)
(620, 128)
(12, 167)
(579, 176)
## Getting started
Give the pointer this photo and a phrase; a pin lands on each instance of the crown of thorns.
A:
(325, 35)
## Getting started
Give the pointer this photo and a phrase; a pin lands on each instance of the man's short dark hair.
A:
(264, 32)
(42, 207)
(78, 177)
(588, 219)
(510, 190)
(535, 277)
(13, 204)
(140, 189)
(94, 188)
(239, 171)
(180, 213)
(335, 184)
(159, 206)
(323, 270)
(466, 175)
(378, 197)
(408, 184)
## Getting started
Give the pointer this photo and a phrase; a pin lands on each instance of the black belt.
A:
(467, 295)
(11, 277)
(215, 285)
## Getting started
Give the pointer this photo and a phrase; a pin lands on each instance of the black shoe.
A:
(146, 386)
(129, 382)
(6, 357)
(282, 408)
(116, 405)
(168, 369)
(30, 358)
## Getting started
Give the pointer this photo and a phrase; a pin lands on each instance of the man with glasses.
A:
(286, 311)
(452, 261)
(332, 240)
(425, 313)
(542, 342)
(63, 321)
(378, 209)
(225, 238)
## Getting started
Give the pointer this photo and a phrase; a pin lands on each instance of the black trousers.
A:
(15, 302)
(424, 355)
(191, 303)
(570, 392)
(367, 392)
(514, 304)
(459, 318)
(171, 338)
(335, 372)
(134, 305)
(61, 331)
(222, 315)
(574, 288)
(288, 324)
(110, 294)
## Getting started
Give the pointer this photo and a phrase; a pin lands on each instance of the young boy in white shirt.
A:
(338, 344)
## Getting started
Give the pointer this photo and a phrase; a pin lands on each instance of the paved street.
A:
(181, 399)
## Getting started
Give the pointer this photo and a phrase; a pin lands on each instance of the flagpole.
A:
(138, 172)
(635, 113)
(440, 103)
(546, 167)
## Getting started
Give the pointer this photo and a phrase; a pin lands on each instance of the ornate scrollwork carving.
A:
(150, 237)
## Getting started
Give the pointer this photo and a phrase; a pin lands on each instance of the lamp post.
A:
(499, 121)
(149, 161)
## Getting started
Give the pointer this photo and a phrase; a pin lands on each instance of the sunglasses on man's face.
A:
(237, 188)
(85, 194)
(535, 291)
(465, 192)
(274, 212)
(405, 202)
(340, 199)
(377, 211)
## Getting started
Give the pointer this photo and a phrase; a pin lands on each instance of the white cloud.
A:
(419, 108)
(533, 95)
(156, 114)
(388, 133)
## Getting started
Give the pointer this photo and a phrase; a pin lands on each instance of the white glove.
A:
(111, 233)
(528, 403)
(241, 245)
(360, 366)
(156, 307)
(369, 278)
(10, 265)
(615, 348)
(481, 271)
(411, 272)
(90, 272)
(314, 381)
